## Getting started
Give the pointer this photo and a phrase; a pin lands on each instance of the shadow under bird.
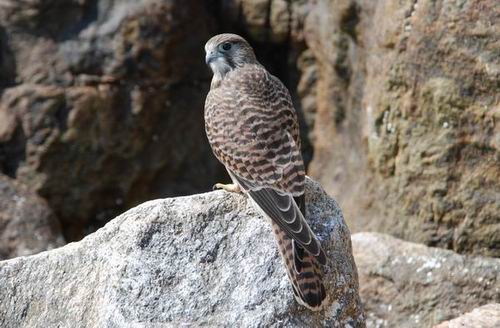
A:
(253, 130)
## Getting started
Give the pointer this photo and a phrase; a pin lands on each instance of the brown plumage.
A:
(253, 129)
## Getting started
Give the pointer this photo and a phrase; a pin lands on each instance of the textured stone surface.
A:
(486, 316)
(27, 225)
(206, 259)
(101, 104)
(107, 106)
(406, 130)
(403, 284)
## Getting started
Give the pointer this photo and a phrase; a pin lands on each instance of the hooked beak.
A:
(211, 56)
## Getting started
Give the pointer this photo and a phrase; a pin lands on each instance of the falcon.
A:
(253, 130)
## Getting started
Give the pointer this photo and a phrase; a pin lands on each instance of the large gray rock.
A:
(411, 285)
(202, 260)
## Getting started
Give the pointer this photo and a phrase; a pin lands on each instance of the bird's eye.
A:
(226, 46)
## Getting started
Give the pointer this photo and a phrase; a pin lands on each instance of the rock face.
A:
(104, 106)
(101, 106)
(410, 285)
(207, 259)
(406, 130)
(27, 225)
(487, 316)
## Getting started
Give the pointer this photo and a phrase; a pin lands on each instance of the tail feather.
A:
(304, 271)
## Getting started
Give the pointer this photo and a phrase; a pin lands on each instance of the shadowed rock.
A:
(107, 108)
(27, 225)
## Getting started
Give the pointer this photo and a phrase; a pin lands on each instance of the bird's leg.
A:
(231, 187)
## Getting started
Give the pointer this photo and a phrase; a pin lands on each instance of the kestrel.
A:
(253, 130)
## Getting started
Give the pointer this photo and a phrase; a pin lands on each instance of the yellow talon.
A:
(231, 187)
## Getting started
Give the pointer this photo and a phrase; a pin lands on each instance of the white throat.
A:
(220, 68)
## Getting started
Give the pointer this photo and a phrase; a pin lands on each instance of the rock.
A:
(339, 160)
(202, 260)
(403, 284)
(27, 225)
(101, 106)
(107, 108)
(486, 316)
(406, 133)
(268, 21)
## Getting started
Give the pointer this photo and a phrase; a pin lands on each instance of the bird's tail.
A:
(304, 271)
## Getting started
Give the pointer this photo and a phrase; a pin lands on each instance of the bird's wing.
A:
(284, 212)
(253, 129)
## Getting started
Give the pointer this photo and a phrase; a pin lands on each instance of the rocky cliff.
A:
(400, 100)
(101, 106)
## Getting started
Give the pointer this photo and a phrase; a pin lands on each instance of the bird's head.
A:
(225, 52)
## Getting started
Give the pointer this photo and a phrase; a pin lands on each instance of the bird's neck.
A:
(216, 80)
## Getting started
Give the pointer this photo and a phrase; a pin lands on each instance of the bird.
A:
(253, 130)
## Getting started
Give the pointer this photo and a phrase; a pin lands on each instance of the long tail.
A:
(304, 271)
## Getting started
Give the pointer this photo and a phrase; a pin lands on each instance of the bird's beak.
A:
(211, 56)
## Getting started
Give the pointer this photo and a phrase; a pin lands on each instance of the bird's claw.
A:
(231, 187)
